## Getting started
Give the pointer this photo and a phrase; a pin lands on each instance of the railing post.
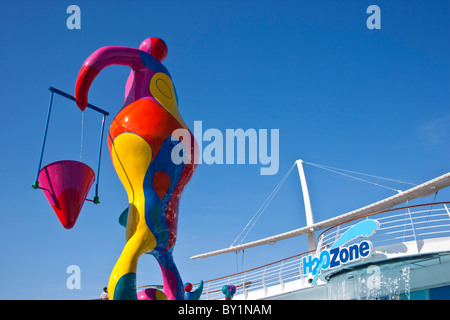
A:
(244, 291)
(337, 232)
(300, 270)
(413, 229)
(319, 244)
(280, 276)
(264, 280)
(405, 227)
(207, 290)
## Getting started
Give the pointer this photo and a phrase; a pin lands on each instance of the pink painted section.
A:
(151, 294)
(107, 56)
(169, 283)
(65, 185)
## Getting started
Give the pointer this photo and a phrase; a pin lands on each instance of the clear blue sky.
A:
(373, 101)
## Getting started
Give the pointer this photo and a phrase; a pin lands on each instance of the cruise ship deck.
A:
(406, 255)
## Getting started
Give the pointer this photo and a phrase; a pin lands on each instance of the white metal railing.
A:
(411, 223)
(261, 278)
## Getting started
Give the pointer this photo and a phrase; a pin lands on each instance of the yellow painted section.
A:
(160, 295)
(131, 156)
(161, 88)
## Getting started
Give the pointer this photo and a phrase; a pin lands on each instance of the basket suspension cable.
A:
(35, 185)
(96, 198)
(81, 139)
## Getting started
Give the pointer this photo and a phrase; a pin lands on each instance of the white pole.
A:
(307, 201)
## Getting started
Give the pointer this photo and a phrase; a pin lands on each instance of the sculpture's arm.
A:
(100, 59)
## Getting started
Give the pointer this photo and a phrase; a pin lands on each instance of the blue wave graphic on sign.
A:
(362, 229)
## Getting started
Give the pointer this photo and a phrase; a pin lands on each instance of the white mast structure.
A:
(308, 209)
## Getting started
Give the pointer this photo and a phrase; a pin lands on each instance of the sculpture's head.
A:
(156, 47)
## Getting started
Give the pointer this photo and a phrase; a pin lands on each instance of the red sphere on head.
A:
(156, 47)
(187, 287)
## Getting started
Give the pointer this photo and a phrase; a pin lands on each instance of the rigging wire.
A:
(332, 169)
(266, 202)
(261, 209)
(431, 208)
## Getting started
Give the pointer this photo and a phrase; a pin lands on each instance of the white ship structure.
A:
(386, 250)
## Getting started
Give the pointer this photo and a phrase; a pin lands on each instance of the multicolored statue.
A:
(193, 295)
(151, 294)
(140, 144)
(229, 291)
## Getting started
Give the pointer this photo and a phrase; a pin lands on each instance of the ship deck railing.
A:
(399, 225)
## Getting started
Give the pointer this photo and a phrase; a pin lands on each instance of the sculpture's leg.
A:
(122, 282)
(173, 285)
(131, 157)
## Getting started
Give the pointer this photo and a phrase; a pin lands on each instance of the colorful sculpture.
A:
(151, 294)
(140, 144)
(193, 295)
(229, 291)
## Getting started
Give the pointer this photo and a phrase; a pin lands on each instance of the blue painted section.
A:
(170, 274)
(153, 64)
(156, 208)
(441, 293)
(126, 287)
(195, 295)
